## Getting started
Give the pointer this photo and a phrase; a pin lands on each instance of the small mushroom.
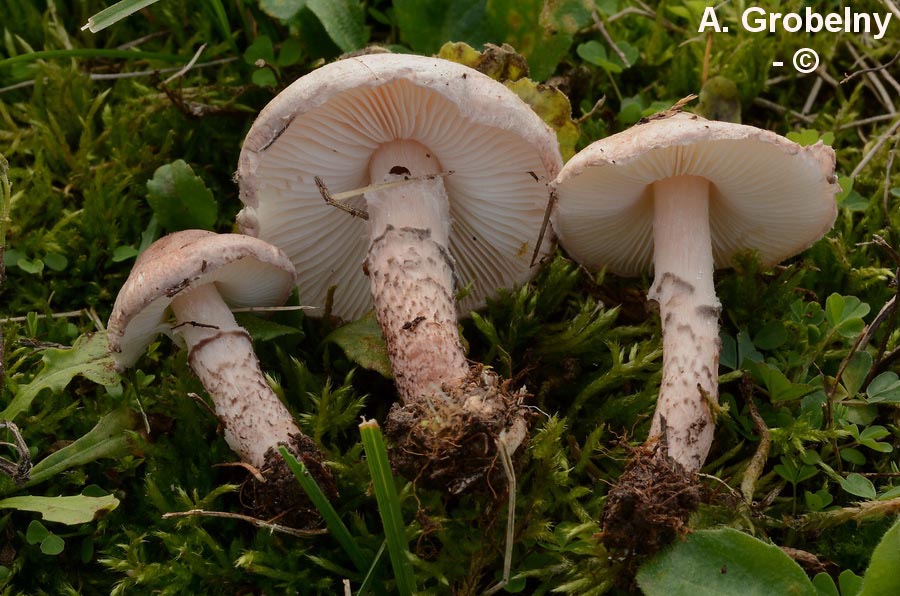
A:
(477, 161)
(681, 195)
(196, 275)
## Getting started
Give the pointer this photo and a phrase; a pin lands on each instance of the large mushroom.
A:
(681, 195)
(197, 276)
(477, 160)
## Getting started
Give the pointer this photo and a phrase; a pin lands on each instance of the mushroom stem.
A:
(689, 310)
(411, 272)
(255, 420)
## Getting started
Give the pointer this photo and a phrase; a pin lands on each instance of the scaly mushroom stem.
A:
(453, 417)
(411, 272)
(221, 355)
(689, 309)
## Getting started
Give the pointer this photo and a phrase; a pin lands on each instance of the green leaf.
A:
(362, 343)
(855, 373)
(123, 253)
(290, 52)
(426, 24)
(36, 532)
(72, 510)
(180, 199)
(844, 314)
(52, 545)
(260, 49)
(281, 9)
(554, 108)
(825, 585)
(723, 561)
(263, 330)
(850, 583)
(631, 110)
(870, 438)
(771, 336)
(881, 577)
(777, 384)
(853, 456)
(332, 520)
(388, 506)
(115, 13)
(55, 261)
(860, 486)
(108, 438)
(264, 77)
(31, 266)
(343, 21)
(525, 25)
(88, 357)
(885, 388)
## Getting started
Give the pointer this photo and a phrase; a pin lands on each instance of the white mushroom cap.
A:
(767, 193)
(245, 270)
(330, 122)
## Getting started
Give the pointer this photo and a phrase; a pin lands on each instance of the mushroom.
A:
(197, 274)
(473, 162)
(682, 195)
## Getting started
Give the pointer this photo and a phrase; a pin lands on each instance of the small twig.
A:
(187, 66)
(811, 98)
(731, 490)
(598, 23)
(537, 247)
(240, 464)
(597, 105)
(765, 103)
(886, 196)
(864, 121)
(875, 148)
(252, 520)
(55, 315)
(273, 308)
(99, 325)
(323, 190)
(880, 92)
(114, 76)
(848, 77)
(807, 560)
(758, 461)
(510, 517)
(18, 470)
(892, 7)
(204, 405)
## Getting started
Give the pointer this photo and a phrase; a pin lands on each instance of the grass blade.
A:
(331, 517)
(115, 13)
(388, 505)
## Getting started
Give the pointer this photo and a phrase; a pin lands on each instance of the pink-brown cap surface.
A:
(245, 270)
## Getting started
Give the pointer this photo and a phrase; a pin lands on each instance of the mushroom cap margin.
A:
(767, 192)
(246, 271)
(331, 249)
